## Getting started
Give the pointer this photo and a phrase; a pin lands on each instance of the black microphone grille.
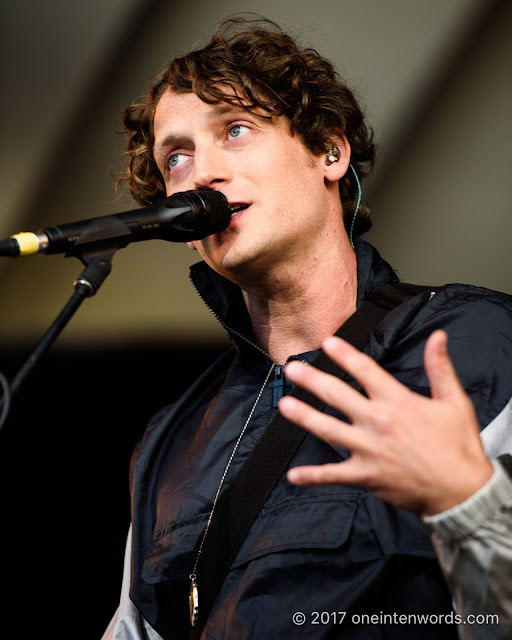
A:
(208, 212)
(215, 206)
(200, 199)
(215, 199)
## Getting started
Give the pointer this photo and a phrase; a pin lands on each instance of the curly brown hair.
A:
(253, 63)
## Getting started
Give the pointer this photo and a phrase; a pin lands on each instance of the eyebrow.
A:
(168, 141)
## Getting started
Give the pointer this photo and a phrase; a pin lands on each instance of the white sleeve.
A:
(497, 435)
(127, 622)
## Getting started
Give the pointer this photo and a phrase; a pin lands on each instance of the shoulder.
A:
(478, 322)
(475, 304)
(467, 313)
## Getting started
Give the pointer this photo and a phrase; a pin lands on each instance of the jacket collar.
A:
(225, 300)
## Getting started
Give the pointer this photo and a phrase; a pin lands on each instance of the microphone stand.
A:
(98, 265)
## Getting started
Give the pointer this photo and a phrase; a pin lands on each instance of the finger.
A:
(325, 427)
(375, 380)
(329, 389)
(444, 383)
(330, 473)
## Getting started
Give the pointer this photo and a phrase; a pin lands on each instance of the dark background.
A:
(64, 461)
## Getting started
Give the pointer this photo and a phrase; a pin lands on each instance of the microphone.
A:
(185, 216)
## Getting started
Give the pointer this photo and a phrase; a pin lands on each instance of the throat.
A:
(298, 305)
(283, 330)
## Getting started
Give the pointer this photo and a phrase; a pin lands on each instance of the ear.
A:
(334, 171)
(192, 245)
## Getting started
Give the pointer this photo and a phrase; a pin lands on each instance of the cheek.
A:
(277, 178)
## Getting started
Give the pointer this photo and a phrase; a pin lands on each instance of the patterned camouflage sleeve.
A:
(473, 541)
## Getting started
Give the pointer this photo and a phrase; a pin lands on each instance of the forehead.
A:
(181, 108)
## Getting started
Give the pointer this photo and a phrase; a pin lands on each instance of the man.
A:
(272, 127)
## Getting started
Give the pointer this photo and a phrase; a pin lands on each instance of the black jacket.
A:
(321, 551)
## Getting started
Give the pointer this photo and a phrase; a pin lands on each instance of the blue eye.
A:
(176, 160)
(237, 130)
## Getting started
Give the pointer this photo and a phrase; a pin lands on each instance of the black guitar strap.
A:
(242, 500)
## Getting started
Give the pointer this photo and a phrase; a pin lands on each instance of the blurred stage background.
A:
(434, 76)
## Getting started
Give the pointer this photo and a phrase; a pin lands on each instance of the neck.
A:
(294, 309)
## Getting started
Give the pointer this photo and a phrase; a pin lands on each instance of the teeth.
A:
(237, 208)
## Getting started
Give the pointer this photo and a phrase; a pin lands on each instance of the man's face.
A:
(254, 162)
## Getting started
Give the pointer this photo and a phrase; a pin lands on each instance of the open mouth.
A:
(235, 208)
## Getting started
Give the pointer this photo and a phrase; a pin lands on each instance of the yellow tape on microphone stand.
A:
(27, 242)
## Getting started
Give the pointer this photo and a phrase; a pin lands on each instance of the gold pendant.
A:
(193, 601)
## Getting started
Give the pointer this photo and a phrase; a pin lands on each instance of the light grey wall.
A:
(432, 74)
(443, 213)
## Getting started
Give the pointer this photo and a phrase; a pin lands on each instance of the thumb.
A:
(441, 374)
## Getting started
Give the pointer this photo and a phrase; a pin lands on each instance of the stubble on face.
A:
(266, 167)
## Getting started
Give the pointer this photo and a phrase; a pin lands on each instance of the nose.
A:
(211, 167)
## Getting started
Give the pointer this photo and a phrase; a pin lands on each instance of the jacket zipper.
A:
(278, 383)
(228, 328)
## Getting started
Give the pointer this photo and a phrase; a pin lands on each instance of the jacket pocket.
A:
(323, 521)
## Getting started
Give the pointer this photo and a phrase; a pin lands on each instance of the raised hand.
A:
(423, 454)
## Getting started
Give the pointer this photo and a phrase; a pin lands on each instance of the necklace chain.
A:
(193, 598)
